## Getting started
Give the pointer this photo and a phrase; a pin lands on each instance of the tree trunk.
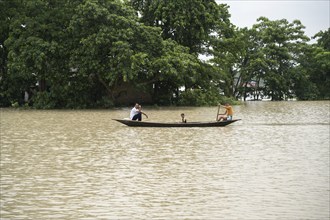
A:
(42, 85)
(106, 86)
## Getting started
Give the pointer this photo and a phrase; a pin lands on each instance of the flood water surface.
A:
(273, 164)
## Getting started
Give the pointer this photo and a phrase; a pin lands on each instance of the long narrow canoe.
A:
(175, 124)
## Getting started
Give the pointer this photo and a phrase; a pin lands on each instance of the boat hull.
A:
(132, 123)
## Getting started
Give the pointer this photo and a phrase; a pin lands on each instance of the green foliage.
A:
(282, 43)
(198, 97)
(120, 49)
(43, 100)
(105, 102)
(313, 79)
(14, 104)
(323, 39)
(75, 54)
(320, 71)
(266, 55)
(8, 10)
(188, 22)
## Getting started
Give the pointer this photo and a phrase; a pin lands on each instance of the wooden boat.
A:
(175, 124)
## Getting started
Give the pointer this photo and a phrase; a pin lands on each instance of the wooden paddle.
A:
(216, 119)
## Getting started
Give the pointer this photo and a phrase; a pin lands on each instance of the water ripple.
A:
(82, 165)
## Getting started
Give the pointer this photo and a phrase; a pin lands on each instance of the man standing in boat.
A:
(228, 115)
(136, 113)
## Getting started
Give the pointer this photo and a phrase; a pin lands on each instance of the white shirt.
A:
(134, 111)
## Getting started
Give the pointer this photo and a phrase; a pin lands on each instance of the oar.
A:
(216, 119)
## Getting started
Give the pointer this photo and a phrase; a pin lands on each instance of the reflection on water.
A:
(274, 164)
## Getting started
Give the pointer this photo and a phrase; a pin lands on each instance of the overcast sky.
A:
(314, 15)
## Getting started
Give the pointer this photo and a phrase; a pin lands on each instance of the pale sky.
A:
(314, 15)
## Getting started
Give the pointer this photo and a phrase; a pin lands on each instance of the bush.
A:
(224, 99)
(198, 97)
(14, 104)
(105, 102)
(43, 100)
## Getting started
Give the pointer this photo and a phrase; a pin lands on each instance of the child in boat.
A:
(183, 120)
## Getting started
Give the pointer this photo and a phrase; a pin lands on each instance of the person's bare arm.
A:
(144, 114)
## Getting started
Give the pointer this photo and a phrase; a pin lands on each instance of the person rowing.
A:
(228, 115)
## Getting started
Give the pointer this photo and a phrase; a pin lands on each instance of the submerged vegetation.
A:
(103, 53)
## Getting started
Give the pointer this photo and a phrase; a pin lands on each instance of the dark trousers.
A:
(137, 117)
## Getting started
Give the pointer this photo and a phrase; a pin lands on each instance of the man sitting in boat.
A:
(228, 115)
(136, 113)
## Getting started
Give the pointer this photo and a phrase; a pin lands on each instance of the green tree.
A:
(238, 56)
(76, 53)
(37, 46)
(9, 11)
(261, 60)
(281, 46)
(170, 71)
(313, 75)
(321, 74)
(323, 39)
(117, 48)
(192, 24)
(102, 53)
(188, 22)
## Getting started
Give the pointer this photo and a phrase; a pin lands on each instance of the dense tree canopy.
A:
(80, 54)
(188, 22)
(313, 73)
(281, 46)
